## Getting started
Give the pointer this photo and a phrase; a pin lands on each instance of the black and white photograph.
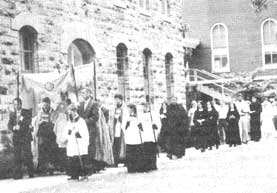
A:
(138, 96)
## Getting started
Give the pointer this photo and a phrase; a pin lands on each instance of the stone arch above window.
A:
(28, 48)
(80, 52)
(269, 43)
(220, 48)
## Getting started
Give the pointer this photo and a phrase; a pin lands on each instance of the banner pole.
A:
(74, 82)
(17, 84)
(94, 79)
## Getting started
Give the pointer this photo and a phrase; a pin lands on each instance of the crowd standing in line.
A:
(85, 138)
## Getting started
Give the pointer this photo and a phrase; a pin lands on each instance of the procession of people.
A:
(86, 138)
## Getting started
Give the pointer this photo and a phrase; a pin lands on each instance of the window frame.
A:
(220, 51)
(29, 53)
(268, 48)
(122, 63)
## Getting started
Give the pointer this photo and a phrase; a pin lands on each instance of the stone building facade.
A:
(249, 38)
(135, 46)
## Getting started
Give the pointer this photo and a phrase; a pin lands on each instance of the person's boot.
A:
(169, 155)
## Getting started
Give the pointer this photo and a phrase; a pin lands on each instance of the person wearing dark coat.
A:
(89, 111)
(19, 123)
(232, 134)
(255, 119)
(212, 118)
(177, 129)
(164, 128)
(200, 118)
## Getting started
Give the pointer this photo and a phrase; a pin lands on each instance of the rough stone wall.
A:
(104, 24)
(244, 30)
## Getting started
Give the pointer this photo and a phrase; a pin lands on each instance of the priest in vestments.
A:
(118, 121)
(177, 129)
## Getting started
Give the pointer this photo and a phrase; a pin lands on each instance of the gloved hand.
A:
(77, 135)
(154, 126)
(140, 127)
(127, 125)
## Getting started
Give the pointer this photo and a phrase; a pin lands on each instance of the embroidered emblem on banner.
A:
(49, 86)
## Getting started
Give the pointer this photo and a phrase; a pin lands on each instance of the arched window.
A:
(220, 48)
(148, 86)
(80, 52)
(269, 42)
(169, 75)
(28, 48)
(122, 70)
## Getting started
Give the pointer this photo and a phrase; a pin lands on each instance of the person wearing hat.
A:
(177, 129)
(77, 143)
(118, 121)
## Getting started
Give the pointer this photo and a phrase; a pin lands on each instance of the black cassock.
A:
(232, 134)
(176, 130)
(255, 121)
(22, 142)
(213, 137)
(201, 129)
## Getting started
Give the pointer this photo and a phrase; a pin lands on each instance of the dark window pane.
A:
(274, 57)
(267, 58)
(224, 61)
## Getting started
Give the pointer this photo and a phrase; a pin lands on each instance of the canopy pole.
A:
(94, 79)
(74, 82)
(17, 84)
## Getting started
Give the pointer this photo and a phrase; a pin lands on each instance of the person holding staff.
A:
(19, 123)
(77, 143)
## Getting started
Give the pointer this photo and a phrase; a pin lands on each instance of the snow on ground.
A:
(248, 168)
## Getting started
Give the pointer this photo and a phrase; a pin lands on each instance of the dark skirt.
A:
(134, 158)
(255, 126)
(232, 134)
(150, 158)
(175, 145)
(163, 135)
(213, 137)
(74, 167)
(47, 148)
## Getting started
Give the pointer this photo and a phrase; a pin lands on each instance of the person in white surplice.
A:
(77, 143)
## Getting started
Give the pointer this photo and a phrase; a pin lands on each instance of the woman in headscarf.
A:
(233, 134)
(212, 118)
(199, 120)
